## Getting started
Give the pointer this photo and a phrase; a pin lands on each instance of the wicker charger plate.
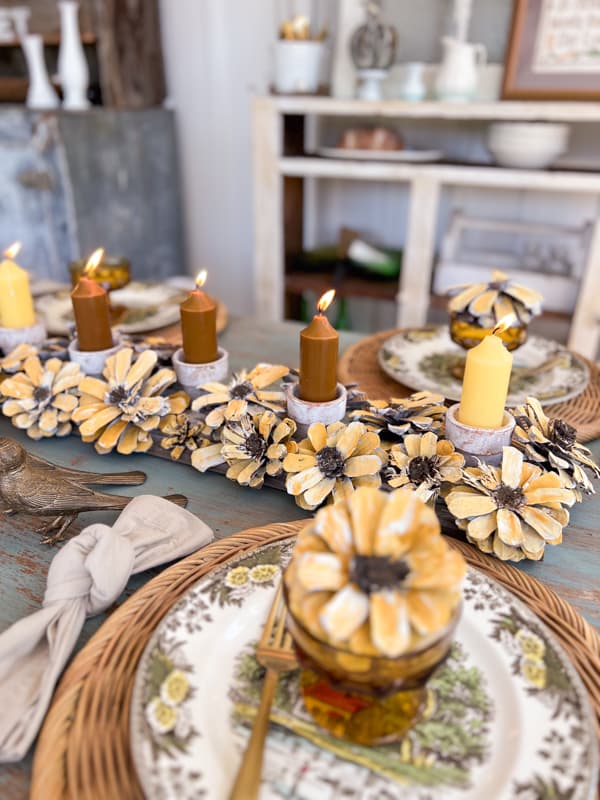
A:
(359, 365)
(83, 751)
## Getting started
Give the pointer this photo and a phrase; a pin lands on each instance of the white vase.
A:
(72, 64)
(458, 73)
(369, 83)
(298, 66)
(40, 94)
(413, 86)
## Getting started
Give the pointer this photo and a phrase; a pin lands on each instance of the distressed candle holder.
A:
(304, 412)
(31, 334)
(193, 376)
(478, 444)
(92, 361)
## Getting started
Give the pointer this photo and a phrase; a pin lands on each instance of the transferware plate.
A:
(506, 717)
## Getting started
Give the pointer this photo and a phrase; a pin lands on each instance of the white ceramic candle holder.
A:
(483, 444)
(304, 412)
(92, 361)
(32, 334)
(193, 376)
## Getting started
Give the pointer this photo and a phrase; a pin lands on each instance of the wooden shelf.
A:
(350, 286)
(499, 110)
(451, 174)
(52, 39)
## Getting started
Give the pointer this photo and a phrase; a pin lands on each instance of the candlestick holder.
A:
(478, 444)
(92, 361)
(193, 376)
(31, 334)
(304, 412)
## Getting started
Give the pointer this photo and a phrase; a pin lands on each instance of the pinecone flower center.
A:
(509, 497)
(373, 573)
(563, 434)
(241, 390)
(255, 446)
(423, 468)
(330, 462)
(41, 395)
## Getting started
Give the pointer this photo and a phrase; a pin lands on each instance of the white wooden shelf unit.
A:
(425, 182)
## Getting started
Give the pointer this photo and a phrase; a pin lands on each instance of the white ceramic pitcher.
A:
(457, 75)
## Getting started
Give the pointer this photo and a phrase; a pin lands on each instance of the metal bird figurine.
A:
(31, 485)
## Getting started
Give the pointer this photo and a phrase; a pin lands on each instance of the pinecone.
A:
(393, 420)
(553, 444)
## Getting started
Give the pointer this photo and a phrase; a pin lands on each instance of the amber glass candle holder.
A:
(368, 700)
(467, 333)
(113, 272)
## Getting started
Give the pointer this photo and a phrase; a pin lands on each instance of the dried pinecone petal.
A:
(421, 412)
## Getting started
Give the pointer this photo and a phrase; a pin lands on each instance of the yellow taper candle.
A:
(16, 305)
(485, 384)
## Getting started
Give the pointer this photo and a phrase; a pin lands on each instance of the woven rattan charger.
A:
(359, 365)
(83, 752)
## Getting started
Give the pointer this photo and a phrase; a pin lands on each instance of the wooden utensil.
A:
(274, 652)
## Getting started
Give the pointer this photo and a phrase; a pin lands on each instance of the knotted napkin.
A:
(85, 577)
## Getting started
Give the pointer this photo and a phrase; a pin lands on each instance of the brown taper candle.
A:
(318, 356)
(199, 325)
(91, 310)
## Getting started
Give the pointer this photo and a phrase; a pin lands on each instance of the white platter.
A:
(406, 156)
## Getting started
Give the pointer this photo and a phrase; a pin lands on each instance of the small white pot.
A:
(298, 66)
(484, 444)
(12, 337)
(193, 376)
(91, 361)
(304, 412)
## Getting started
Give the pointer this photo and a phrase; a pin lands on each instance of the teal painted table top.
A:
(573, 569)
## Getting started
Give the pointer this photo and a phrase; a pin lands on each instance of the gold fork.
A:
(274, 652)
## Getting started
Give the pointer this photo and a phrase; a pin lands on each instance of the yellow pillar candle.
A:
(485, 384)
(16, 305)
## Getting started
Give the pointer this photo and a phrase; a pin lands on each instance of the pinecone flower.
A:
(423, 463)
(245, 392)
(252, 446)
(123, 409)
(332, 461)
(422, 411)
(553, 444)
(42, 398)
(15, 360)
(182, 432)
(487, 303)
(513, 510)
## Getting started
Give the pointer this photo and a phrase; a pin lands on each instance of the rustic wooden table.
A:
(573, 569)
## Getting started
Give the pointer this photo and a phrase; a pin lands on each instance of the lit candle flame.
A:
(201, 278)
(13, 250)
(504, 323)
(325, 300)
(93, 261)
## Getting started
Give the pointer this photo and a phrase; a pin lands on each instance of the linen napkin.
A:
(85, 577)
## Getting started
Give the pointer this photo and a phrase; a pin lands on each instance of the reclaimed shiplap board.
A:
(74, 182)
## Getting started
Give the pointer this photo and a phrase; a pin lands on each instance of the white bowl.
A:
(527, 145)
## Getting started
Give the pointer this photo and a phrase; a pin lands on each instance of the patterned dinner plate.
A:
(428, 359)
(144, 307)
(506, 716)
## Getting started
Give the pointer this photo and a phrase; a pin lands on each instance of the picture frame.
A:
(553, 51)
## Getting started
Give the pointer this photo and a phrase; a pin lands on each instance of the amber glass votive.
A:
(113, 272)
(467, 333)
(365, 699)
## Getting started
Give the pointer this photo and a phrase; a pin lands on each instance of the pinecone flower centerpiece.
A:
(252, 446)
(552, 443)
(418, 413)
(513, 510)
(15, 360)
(475, 308)
(332, 461)
(122, 410)
(423, 463)
(43, 397)
(246, 391)
(372, 574)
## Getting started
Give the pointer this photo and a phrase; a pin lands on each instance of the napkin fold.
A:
(85, 577)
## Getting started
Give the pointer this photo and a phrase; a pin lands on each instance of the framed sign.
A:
(553, 51)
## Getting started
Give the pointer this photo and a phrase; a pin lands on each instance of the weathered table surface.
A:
(573, 569)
